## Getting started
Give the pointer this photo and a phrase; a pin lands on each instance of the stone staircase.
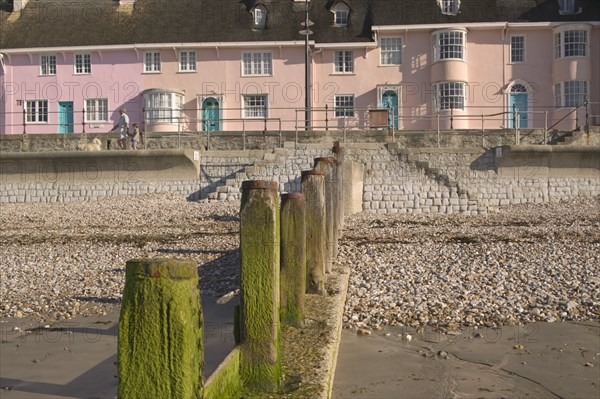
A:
(270, 167)
(467, 202)
(576, 137)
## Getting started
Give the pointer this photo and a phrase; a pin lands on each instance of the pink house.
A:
(226, 65)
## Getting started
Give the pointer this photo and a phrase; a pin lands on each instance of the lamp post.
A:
(306, 32)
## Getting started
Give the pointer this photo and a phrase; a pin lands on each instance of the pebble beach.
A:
(527, 263)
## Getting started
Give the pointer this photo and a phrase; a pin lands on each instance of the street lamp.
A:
(306, 32)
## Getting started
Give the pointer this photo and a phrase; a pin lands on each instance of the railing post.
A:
(577, 118)
(438, 130)
(587, 115)
(344, 126)
(24, 120)
(451, 117)
(517, 125)
(260, 346)
(280, 135)
(326, 117)
(296, 132)
(83, 120)
(545, 125)
(179, 133)
(143, 119)
(482, 123)
(244, 134)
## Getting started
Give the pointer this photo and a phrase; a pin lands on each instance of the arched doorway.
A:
(518, 100)
(210, 115)
(389, 100)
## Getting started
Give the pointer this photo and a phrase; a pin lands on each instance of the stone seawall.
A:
(471, 180)
(268, 140)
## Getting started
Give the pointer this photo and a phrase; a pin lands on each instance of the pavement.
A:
(77, 358)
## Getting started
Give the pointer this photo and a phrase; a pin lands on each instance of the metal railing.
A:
(183, 120)
(325, 118)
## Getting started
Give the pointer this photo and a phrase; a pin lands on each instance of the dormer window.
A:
(566, 7)
(449, 7)
(260, 17)
(341, 11)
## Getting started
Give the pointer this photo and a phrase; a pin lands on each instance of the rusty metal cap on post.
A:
(292, 196)
(312, 172)
(259, 185)
(325, 159)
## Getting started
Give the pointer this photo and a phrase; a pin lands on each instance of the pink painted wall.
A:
(219, 74)
(119, 76)
(115, 76)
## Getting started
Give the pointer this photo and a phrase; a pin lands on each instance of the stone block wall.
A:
(283, 165)
(396, 180)
(454, 180)
(49, 192)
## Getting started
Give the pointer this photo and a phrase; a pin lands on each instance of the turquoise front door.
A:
(210, 115)
(65, 117)
(518, 107)
(389, 100)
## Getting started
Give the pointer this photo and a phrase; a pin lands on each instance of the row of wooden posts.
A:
(286, 250)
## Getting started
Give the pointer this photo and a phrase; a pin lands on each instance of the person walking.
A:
(123, 126)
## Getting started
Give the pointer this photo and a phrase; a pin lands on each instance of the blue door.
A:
(210, 115)
(517, 103)
(389, 100)
(65, 117)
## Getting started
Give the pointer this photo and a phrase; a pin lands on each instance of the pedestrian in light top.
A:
(123, 126)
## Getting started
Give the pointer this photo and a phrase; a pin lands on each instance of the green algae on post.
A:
(313, 188)
(260, 358)
(160, 347)
(293, 259)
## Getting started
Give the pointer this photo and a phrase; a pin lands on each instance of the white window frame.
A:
(96, 109)
(343, 61)
(571, 93)
(36, 111)
(455, 91)
(163, 106)
(566, 7)
(449, 7)
(341, 14)
(343, 105)
(454, 45)
(257, 63)
(152, 62)
(187, 61)
(47, 64)
(390, 50)
(82, 63)
(558, 95)
(572, 41)
(256, 106)
(259, 14)
(515, 50)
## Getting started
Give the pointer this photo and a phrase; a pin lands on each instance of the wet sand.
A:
(77, 358)
(538, 360)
